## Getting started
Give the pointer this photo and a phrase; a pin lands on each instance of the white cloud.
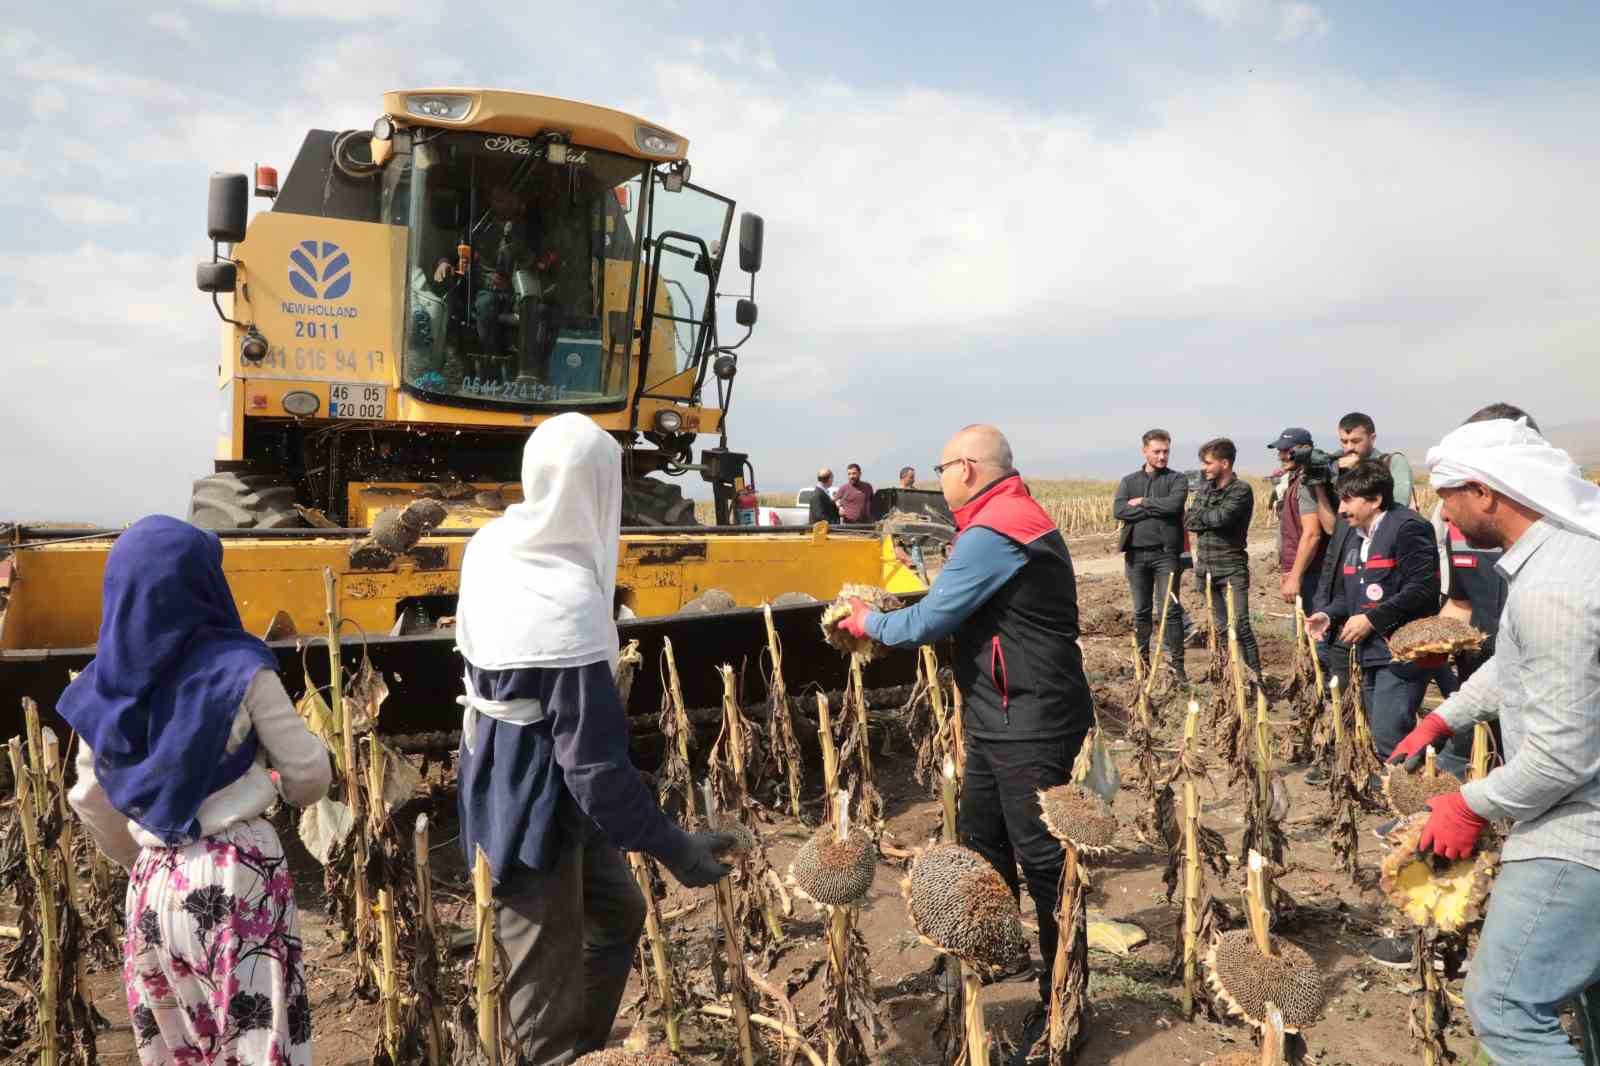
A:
(342, 11)
(1290, 19)
(1298, 19)
(83, 210)
(47, 103)
(121, 400)
(175, 24)
(944, 250)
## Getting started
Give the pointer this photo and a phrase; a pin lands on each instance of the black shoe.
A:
(1393, 952)
(1318, 775)
(1383, 829)
(1035, 1043)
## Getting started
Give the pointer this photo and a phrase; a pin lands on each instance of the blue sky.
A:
(1076, 220)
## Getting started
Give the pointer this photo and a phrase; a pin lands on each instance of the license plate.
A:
(357, 401)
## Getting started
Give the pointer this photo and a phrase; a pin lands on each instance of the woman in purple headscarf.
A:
(178, 716)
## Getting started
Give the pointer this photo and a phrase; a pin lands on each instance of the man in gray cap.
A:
(1300, 536)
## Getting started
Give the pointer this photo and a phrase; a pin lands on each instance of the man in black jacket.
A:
(1149, 505)
(1220, 519)
(1388, 575)
(823, 509)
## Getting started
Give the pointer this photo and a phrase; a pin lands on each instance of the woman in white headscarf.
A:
(547, 790)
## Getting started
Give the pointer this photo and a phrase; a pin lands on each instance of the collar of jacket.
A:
(1003, 486)
(1007, 507)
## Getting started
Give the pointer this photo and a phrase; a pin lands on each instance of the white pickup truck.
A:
(798, 515)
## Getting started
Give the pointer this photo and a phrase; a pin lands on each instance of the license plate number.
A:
(356, 401)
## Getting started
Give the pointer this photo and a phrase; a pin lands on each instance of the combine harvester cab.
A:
(415, 302)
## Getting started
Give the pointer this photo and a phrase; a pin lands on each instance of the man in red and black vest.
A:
(1388, 576)
(1008, 597)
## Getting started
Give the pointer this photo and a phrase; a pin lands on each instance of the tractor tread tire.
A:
(243, 501)
(648, 502)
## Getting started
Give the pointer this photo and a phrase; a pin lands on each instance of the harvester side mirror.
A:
(751, 231)
(227, 208)
(744, 312)
(216, 277)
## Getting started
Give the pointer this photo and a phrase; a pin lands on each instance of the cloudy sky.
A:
(1073, 219)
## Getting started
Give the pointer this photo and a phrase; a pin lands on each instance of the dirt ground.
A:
(1136, 1018)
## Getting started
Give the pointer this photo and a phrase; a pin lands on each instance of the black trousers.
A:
(1147, 570)
(1240, 583)
(569, 936)
(1000, 820)
(1393, 695)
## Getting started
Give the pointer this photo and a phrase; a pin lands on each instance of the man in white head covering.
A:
(546, 788)
(1503, 485)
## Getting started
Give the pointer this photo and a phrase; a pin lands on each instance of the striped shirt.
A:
(1543, 682)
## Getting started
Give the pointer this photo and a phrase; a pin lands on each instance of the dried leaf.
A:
(314, 711)
(401, 779)
(324, 826)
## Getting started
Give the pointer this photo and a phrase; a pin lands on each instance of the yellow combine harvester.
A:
(414, 303)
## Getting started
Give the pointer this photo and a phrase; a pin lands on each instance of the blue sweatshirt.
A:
(982, 562)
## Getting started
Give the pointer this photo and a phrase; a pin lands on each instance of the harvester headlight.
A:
(301, 403)
(656, 142)
(445, 106)
(383, 129)
(253, 348)
(668, 421)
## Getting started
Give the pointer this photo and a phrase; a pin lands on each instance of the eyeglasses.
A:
(940, 468)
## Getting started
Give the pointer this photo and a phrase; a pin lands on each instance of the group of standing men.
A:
(852, 501)
(1514, 548)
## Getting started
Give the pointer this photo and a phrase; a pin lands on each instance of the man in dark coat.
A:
(1388, 575)
(823, 509)
(1149, 504)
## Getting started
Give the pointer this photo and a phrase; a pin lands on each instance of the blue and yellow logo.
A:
(319, 270)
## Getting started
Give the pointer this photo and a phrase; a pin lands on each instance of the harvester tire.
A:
(243, 501)
(648, 502)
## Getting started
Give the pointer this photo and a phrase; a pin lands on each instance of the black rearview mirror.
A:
(216, 277)
(744, 312)
(227, 207)
(751, 231)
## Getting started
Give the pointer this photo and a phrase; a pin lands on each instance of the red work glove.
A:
(1428, 734)
(856, 624)
(1452, 830)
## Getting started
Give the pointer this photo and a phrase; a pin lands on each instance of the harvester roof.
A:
(520, 114)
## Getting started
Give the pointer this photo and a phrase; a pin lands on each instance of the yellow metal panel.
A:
(897, 577)
(526, 114)
(367, 499)
(55, 594)
(328, 311)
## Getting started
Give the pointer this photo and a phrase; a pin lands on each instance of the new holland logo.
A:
(319, 270)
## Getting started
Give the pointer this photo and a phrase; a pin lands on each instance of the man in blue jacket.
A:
(1009, 599)
(1388, 575)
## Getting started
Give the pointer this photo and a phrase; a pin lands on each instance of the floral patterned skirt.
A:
(211, 959)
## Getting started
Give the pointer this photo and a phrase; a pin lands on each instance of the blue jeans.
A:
(1538, 951)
